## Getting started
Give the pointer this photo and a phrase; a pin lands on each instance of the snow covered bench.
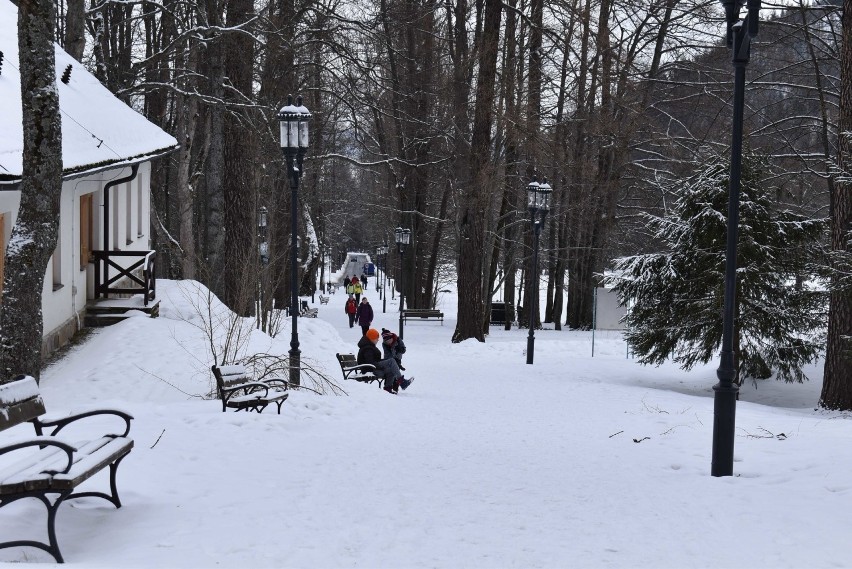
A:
(306, 312)
(323, 299)
(41, 465)
(359, 372)
(239, 391)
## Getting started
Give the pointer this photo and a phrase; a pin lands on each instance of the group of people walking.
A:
(355, 286)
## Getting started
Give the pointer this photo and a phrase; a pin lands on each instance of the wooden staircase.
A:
(108, 311)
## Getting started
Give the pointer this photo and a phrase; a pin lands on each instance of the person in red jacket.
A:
(351, 309)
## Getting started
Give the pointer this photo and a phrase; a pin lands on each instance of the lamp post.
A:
(322, 268)
(739, 35)
(328, 258)
(293, 120)
(403, 238)
(263, 255)
(538, 203)
(384, 278)
(378, 265)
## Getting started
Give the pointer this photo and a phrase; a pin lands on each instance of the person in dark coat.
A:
(393, 347)
(346, 282)
(364, 315)
(388, 369)
(351, 309)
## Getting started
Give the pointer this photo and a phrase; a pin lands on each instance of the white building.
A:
(106, 200)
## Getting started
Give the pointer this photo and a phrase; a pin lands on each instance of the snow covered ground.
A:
(485, 462)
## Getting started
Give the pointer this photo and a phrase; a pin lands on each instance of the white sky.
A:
(484, 462)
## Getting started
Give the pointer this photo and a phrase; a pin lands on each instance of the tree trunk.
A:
(240, 258)
(471, 313)
(75, 27)
(837, 379)
(213, 229)
(34, 235)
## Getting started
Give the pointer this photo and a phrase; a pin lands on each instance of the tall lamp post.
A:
(538, 203)
(328, 258)
(384, 259)
(739, 35)
(294, 142)
(379, 287)
(403, 238)
(263, 254)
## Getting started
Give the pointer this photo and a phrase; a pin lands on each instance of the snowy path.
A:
(484, 462)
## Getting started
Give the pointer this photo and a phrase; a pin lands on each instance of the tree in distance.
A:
(675, 297)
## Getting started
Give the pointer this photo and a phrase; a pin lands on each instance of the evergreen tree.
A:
(675, 297)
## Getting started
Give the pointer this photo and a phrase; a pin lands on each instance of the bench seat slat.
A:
(31, 467)
(93, 456)
(32, 472)
(253, 397)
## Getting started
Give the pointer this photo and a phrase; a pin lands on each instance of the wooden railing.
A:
(147, 284)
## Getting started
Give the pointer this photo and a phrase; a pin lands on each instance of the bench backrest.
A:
(347, 360)
(230, 375)
(20, 401)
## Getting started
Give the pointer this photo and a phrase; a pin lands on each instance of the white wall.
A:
(63, 299)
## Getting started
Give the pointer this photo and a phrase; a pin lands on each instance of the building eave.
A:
(10, 182)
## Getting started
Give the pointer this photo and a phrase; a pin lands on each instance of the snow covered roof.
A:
(98, 129)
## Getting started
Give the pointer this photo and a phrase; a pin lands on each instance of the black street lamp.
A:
(328, 258)
(384, 278)
(739, 35)
(263, 257)
(262, 226)
(403, 238)
(294, 142)
(538, 203)
(379, 282)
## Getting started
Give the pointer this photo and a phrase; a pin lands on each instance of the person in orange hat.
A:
(388, 369)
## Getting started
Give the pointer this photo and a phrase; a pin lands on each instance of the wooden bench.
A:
(423, 314)
(307, 312)
(359, 372)
(323, 299)
(240, 392)
(46, 464)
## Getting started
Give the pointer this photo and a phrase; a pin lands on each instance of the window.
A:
(86, 230)
(56, 261)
